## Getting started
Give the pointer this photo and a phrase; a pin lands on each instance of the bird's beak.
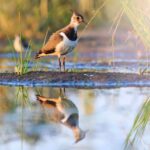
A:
(77, 141)
(82, 137)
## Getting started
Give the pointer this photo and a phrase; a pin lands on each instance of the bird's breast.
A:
(66, 108)
(66, 45)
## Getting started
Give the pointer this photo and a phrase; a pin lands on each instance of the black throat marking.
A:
(71, 34)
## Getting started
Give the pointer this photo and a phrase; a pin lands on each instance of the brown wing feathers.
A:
(55, 39)
(50, 46)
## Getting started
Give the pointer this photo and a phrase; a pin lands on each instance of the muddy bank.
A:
(75, 79)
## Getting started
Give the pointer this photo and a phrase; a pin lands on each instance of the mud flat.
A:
(75, 79)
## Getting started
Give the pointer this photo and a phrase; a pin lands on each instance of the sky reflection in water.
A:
(107, 115)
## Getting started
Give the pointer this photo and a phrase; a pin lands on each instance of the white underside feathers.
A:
(66, 45)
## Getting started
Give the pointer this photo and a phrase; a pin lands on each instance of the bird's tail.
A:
(38, 55)
(41, 98)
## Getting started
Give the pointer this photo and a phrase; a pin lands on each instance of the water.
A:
(107, 115)
(124, 61)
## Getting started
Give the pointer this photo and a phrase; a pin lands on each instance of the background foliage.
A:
(33, 18)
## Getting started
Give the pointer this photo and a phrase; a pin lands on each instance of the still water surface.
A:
(105, 116)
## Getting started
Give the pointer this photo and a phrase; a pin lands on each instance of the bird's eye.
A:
(78, 18)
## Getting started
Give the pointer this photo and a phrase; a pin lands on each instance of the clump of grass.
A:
(23, 60)
(140, 123)
(23, 63)
(22, 96)
(22, 99)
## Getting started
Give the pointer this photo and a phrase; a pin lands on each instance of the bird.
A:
(66, 113)
(62, 41)
(20, 44)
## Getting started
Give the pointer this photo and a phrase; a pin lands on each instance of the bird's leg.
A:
(59, 61)
(64, 90)
(60, 92)
(64, 58)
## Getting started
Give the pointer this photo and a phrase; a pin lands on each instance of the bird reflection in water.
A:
(66, 113)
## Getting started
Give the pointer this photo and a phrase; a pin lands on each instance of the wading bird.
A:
(62, 41)
(20, 44)
(66, 113)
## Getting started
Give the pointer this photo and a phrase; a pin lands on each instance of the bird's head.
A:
(79, 134)
(77, 19)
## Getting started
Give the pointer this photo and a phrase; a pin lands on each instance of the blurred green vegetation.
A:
(33, 18)
(138, 14)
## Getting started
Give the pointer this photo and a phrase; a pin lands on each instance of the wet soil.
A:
(76, 79)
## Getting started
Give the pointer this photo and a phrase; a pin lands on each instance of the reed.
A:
(140, 22)
(141, 121)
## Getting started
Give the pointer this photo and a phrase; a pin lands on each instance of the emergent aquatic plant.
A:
(141, 121)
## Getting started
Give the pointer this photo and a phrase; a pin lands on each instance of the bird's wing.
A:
(45, 102)
(50, 46)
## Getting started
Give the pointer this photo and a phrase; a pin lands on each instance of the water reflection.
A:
(9, 61)
(63, 111)
(109, 115)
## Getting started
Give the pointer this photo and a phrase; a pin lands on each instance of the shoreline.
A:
(75, 79)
